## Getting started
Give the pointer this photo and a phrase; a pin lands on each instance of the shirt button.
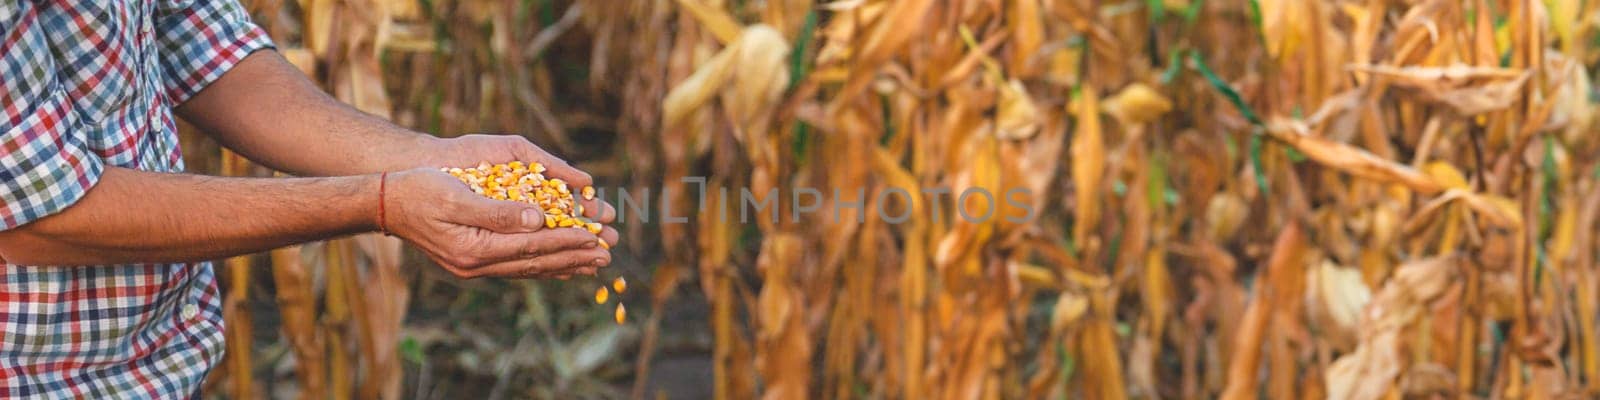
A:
(189, 311)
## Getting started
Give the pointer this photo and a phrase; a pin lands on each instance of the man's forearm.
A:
(268, 111)
(137, 216)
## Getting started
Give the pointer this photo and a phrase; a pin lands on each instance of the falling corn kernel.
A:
(601, 295)
(619, 285)
(622, 313)
(588, 192)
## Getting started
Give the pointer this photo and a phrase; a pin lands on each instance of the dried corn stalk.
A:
(1232, 198)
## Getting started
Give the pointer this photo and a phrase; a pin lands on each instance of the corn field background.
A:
(1343, 199)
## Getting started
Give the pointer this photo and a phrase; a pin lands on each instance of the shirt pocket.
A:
(97, 57)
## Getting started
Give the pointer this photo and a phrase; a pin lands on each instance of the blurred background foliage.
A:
(1347, 199)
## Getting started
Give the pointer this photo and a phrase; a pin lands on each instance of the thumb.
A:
(503, 216)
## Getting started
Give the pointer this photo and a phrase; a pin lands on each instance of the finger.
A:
(450, 268)
(497, 248)
(499, 216)
(585, 271)
(565, 275)
(552, 265)
(543, 276)
(558, 168)
(546, 276)
(598, 210)
(610, 235)
(567, 268)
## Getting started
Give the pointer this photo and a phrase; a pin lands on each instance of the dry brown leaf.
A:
(1016, 117)
(1372, 369)
(1137, 104)
(1088, 164)
(1352, 160)
(1336, 298)
(718, 22)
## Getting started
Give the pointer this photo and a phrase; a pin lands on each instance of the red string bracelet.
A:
(383, 183)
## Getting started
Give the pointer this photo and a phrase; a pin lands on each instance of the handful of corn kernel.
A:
(515, 181)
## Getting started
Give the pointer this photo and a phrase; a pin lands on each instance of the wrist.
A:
(372, 205)
(422, 151)
(383, 212)
(401, 150)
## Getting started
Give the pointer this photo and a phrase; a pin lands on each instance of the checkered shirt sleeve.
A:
(44, 168)
(200, 40)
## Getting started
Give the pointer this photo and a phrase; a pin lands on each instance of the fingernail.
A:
(599, 262)
(531, 217)
(590, 243)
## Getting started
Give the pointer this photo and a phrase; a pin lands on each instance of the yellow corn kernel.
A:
(515, 181)
(619, 285)
(622, 313)
(603, 243)
(600, 295)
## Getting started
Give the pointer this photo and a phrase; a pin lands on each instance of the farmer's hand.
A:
(474, 236)
(469, 150)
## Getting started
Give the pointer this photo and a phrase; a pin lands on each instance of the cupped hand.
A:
(473, 236)
(470, 150)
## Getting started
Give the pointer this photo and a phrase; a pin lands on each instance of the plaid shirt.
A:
(86, 85)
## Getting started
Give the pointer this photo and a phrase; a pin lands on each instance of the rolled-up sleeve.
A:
(201, 40)
(44, 167)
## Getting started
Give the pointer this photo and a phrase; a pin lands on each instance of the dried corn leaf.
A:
(1372, 369)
